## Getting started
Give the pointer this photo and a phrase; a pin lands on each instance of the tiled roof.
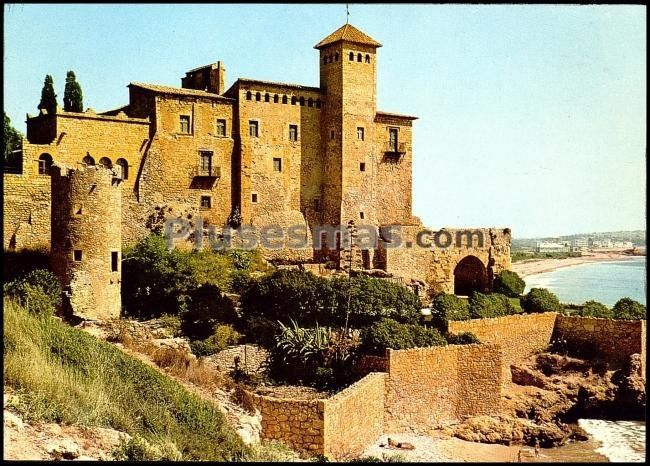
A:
(396, 115)
(271, 83)
(178, 91)
(348, 33)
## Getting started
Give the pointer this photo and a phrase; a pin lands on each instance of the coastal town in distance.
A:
(289, 233)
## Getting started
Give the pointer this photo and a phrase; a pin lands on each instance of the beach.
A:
(534, 266)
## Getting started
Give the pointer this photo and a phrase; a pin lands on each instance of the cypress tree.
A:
(72, 97)
(48, 97)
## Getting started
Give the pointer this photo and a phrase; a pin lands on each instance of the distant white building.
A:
(580, 244)
(548, 246)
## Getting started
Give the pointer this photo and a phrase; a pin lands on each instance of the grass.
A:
(65, 375)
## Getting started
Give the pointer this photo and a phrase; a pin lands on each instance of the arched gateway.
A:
(470, 275)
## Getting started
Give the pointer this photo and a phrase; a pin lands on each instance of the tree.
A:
(595, 309)
(509, 283)
(48, 97)
(13, 143)
(72, 96)
(541, 300)
(626, 308)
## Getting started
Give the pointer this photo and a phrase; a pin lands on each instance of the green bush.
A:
(627, 308)
(137, 448)
(310, 300)
(223, 337)
(205, 307)
(465, 338)
(595, 309)
(31, 297)
(387, 333)
(240, 280)
(541, 300)
(489, 305)
(446, 307)
(509, 283)
(154, 279)
(48, 282)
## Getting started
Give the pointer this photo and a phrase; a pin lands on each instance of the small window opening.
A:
(77, 255)
(277, 164)
(362, 166)
(254, 198)
(293, 133)
(114, 261)
(206, 202)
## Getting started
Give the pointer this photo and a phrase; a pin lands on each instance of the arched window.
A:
(106, 162)
(310, 102)
(44, 164)
(293, 100)
(123, 166)
(317, 103)
(89, 161)
(258, 96)
(284, 99)
(367, 58)
(359, 57)
(336, 56)
(249, 95)
(267, 97)
(275, 99)
(302, 101)
(351, 56)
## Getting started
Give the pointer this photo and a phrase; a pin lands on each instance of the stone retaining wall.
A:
(430, 387)
(612, 340)
(518, 336)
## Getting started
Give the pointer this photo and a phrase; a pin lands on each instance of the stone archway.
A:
(470, 275)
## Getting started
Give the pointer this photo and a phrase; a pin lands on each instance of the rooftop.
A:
(178, 91)
(348, 33)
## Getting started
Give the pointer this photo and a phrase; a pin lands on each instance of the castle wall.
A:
(430, 387)
(518, 336)
(87, 240)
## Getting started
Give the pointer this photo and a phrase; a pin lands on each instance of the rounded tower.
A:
(86, 240)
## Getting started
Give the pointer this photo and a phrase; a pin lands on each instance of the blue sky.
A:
(531, 117)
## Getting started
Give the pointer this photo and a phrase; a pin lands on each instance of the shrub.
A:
(16, 264)
(223, 337)
(240, 280)
(48, 282)
(465, 338)
(446, 307)
(387, 333)
(541, 300)
(171, 323)
(154, 279)
(31, 297)
(509, 283)
(489, 305)
(261, 330)
(139, 449)
(205, 307)
(595, 309)
(627, 308)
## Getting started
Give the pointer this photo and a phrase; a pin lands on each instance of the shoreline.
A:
(529, 267)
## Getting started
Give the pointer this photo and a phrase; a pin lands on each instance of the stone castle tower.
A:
(87, 240)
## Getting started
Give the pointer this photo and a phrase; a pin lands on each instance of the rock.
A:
(527, 376)
(63, 449)
(12, 420)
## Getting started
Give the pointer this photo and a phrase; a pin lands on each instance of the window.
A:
(267, 97)
(316, 205)
(392, 139)
(317, 103)
(221, 127)
(284, 99)
(77, 255)
(310, 102)
(293, 100)
(114, 261)
(206, 202)
(44, 164)
(253, 129)
(367, 58)
(351, 56)
(78, 209)
(362, 167)
(123, 166)
(205, 162)
(302, 101)
(88, 161)
(258, 96)
(361, 215)
(275, 99)
(293, 133)
(332, 134)
(254, 198)
(277, 164)
(106, 162)
(359, 57)
(336, 56)
(360, 133)
(185, 124)
(249, 95)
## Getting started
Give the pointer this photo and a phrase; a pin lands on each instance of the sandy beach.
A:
(535, 266)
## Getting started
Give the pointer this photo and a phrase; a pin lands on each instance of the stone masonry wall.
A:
(354, 418)
(613, 340)
(429, 387)
(518, 336)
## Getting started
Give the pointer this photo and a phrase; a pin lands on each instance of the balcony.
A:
(211, 172)
(395, 150)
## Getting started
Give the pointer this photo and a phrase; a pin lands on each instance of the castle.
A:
(274, 153)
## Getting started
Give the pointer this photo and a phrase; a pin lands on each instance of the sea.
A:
(606, 282)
